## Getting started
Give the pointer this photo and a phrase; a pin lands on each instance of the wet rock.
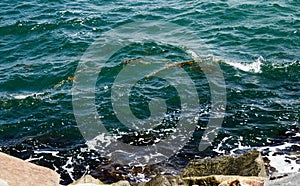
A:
(164, 180)
(16, 172)
(113, 172)
(294, 149)
(248, 164)
(269, 169)
(148, 170)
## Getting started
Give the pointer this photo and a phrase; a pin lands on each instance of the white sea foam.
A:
(69, 168)
(26, 95)
(284, 163)
(104, 139)
(53, 153)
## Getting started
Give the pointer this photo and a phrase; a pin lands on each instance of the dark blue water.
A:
(42, 42)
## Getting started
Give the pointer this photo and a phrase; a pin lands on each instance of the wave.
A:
(27, 95)
(254, 67)
(261, 65)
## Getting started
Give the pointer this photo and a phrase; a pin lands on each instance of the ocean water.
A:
(42, 44)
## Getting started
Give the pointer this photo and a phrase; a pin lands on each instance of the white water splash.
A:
(254, 67)
(284, 163)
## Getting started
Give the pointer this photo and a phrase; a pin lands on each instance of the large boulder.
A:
(213, 180)
(16, 172)
(248, 164)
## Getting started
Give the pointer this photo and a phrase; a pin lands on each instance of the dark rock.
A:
(279, 153)
(269, 169)
(248, 164)
(294, 149)
(113, 172)
(277, 176)
(148, 170)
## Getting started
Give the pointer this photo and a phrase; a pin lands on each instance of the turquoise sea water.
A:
(41, 43)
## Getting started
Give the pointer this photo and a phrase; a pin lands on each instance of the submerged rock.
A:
(248, 164)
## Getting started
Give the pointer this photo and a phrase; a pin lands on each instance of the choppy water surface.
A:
(41, 43)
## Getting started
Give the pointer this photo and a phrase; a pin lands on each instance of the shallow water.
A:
(42, 42)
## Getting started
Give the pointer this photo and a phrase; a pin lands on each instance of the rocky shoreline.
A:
(248, 169)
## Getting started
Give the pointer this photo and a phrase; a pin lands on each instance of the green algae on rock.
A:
(248, 164)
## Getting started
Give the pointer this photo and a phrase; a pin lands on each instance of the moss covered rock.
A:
(202, 181)
(248, 164)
